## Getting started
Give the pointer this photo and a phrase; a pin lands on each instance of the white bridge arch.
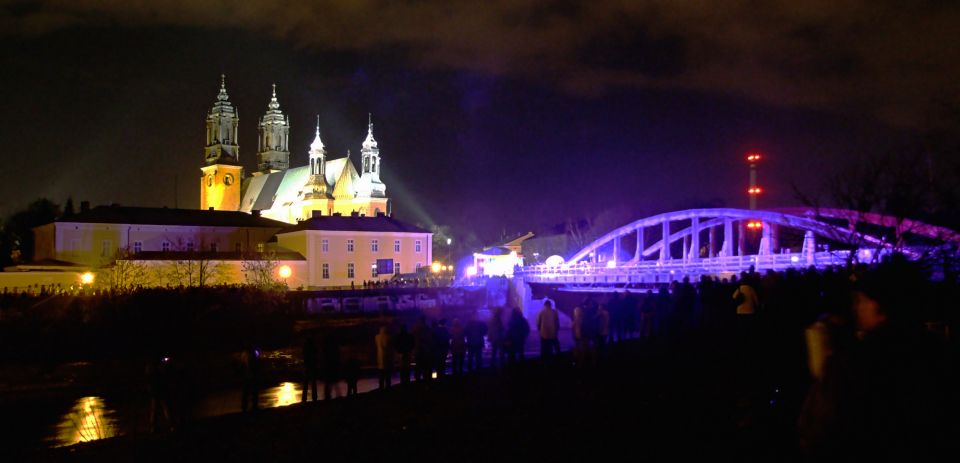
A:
(697, 242)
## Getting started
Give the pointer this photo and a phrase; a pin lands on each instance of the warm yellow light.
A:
(450, 267)
(435, 267)
(285, 271)
(86, 278)
(443, 267)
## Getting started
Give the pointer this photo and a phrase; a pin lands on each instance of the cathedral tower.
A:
(220, 181)
(370, 185)
(273, 154)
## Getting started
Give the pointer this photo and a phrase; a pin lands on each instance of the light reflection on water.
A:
(89, 419)
(286, 393)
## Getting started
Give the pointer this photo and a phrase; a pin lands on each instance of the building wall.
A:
(96, 244)
(302, 210)
(310, 244)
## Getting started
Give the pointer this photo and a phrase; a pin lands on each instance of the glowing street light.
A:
(285, 271)
(435, 267)
(87, 278)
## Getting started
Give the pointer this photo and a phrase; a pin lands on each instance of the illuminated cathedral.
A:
(277, 191)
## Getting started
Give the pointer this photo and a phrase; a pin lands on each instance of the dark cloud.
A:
(892, 60)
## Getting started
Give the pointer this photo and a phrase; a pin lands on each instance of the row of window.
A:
(351, 270)
(374, 245)
(107, 249)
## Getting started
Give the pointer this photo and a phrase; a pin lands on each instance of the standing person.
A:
(250, 362)
(422, 347)
(158, 387)
(603, 329)
(887, 396)
(441, 346)
(309, 368)
(384, 357)
(403, 343)
(647, 310)
(548, 324)
(475, 331)
(351, 374)
(517, 331)
(331, 366)
(458, 346)
(495, 334)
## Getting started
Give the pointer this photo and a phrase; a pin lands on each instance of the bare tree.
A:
(260, 270)
(124, 272)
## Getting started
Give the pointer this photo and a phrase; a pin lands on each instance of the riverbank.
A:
(658, 400)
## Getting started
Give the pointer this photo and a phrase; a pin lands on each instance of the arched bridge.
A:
(720, 242)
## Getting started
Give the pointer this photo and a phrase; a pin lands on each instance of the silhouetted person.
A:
(250, 363)
(886, 397)
(647, 313)
(458, 346)
(548, 325)
(496, 334)
(403, 343)
(330, 355)
(351, 374)
(422, 347)
(517, 331)
(475, 331)
(384, 357)
(441, 346)
(603, 329)
(158, 388)
(309, 368)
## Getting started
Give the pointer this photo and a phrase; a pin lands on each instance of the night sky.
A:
(491, 116)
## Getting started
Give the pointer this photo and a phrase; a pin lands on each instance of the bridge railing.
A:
(654, 271)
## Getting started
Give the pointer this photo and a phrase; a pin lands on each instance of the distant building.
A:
(94, 237)
(323, 251)
(499, 259)
(276, 190)
(344, 249)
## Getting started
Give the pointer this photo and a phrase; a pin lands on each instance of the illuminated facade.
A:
(341, 250)
(325, 186)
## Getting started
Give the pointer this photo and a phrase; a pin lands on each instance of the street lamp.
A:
(86, 278)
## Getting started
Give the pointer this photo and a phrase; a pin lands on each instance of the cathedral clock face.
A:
(228, 179)
(210, 180)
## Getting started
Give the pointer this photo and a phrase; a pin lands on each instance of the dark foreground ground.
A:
(645, 400)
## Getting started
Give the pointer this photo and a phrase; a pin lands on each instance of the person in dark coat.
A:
(441, 346)
(250, 363)
(422, 348)
(404, 346)
(475, 330)
(517, 331)
(331, 366)
(309, 368)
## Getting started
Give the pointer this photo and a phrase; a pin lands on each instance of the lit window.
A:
(325, 269)
(105, 248)
(396, 245)
(165, 246)
(373, 270)
(374, 245)
(396, 268)
(325, 245)
(137, 247)
(416, 246)
(349, 245)
(260, 247)
(350, 270)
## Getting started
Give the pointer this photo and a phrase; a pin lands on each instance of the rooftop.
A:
(167, 216)
(379, 223)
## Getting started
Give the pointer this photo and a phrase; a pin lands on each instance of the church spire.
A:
(317, 186)
(222, 122)
(273, 154)
(370, 184)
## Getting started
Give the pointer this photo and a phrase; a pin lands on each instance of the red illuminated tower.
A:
(754, 190)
